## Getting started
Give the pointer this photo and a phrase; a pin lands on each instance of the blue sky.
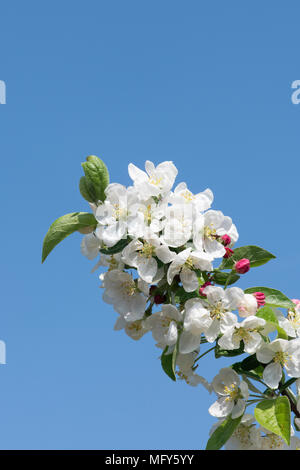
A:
(204, 84)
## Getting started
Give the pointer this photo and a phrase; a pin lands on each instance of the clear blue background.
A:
(205, 84)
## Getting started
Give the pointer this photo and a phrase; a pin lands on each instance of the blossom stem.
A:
(206, 352)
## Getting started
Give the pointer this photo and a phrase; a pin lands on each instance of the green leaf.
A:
(268, 314)
(86, 189)
(119, 246)
(64, 226)
(275, 415)
(97, 179)
(219, 352)
(256, 255)
(223, 432)
(225, 278)
(249, 363)
(181, 296)
(168, 362)
(274, 298)
(255, 373)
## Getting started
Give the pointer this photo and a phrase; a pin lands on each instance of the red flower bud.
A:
(152, 289)
(226, 240)
(260, 298)
(242, 266)
(228, 253)
(159, 299)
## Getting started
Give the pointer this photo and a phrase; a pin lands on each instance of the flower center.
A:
(189, 264)
(294, 318)
(128, 288)
(242, 333)
(210, 232)
(165, 321)
(155, 180)
(113, 263)
(281, 357)
(147, 251)
(232, 391)
(119, 212)
(216, 310)
(135, 326)
(188, 196)
(242, 434)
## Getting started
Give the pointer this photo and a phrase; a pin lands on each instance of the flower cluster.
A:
(169, 264)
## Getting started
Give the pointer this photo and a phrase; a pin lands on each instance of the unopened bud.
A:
(242, 266)
(152, 289)
(207, 283)
(229, 252)
(260, 298)
(159, 299)
(226, 240)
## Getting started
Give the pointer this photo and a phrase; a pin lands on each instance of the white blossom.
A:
(164, 325)
(142, 254)
(124, 294)
(246, 331)
(220, 303)
(279, 354)
(208, 230)
(156, 181)
(185, 264)
(231, 393)
(196, 321)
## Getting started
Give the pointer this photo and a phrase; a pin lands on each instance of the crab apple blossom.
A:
(116, 213)
(197, 320)
(246, 331)
(142, 255)
(220, 303)
(199, 202)
(164, 255)
(279, 354)
(185, 263)
(134, 329)
(208, 231)
(155, 181)
(248, 306)
(232, 394)
(125, 294)
(186, 370)
(164, 325)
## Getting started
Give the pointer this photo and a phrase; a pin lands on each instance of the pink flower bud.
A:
(296, 301)
(226, 240)
(242, 266)
(207, 283)
(228, 253)
(260, 298)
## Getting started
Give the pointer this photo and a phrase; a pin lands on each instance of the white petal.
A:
(188, 342)
(189, 280)
(221, 408)
(272, 374)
